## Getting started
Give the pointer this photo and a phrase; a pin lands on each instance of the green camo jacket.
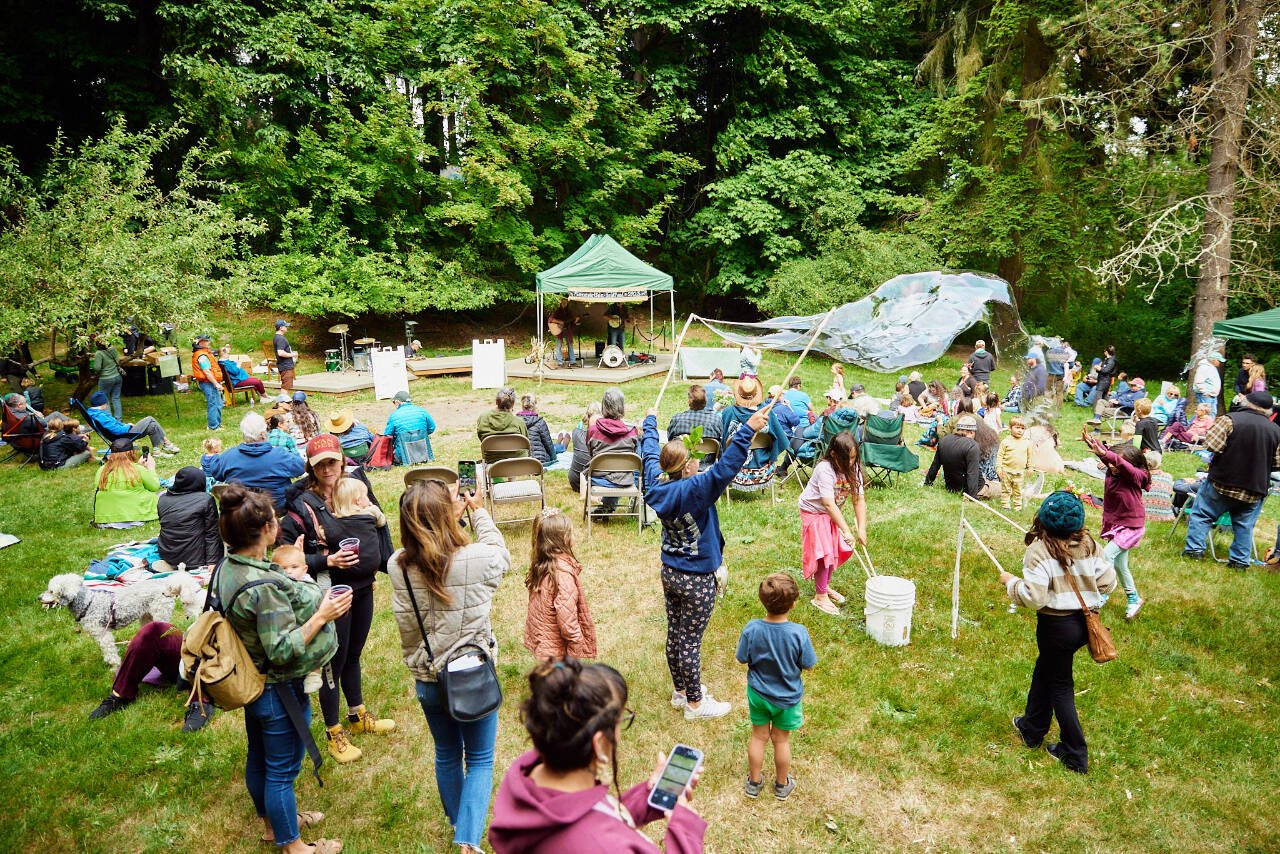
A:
(268, 618)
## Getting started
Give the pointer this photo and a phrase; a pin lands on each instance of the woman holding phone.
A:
(287, 629)
(312, 524)
(556, 797)
(442, 587)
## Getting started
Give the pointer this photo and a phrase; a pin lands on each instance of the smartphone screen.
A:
(467, 475)
(676, 774)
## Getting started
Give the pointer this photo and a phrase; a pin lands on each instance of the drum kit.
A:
(610, 356)
(360, 359)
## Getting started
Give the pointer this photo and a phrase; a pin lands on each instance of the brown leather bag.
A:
(1101, 647)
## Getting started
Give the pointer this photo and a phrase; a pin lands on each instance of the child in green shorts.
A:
(775, 650)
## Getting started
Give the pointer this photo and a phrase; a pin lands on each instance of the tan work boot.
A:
(340, 747)
(361, 719)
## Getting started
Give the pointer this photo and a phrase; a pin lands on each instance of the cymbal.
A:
(339, 329)
(366, 340)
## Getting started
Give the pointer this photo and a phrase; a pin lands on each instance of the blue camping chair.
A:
(106, 435)
(413, 447)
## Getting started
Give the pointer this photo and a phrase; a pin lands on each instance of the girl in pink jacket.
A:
(558, 622)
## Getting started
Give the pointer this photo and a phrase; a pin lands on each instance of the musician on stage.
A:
(561, 324)
(615, 317)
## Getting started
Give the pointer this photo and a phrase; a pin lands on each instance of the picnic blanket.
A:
(128, 563)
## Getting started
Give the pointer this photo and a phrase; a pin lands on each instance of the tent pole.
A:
(673, 314)
(651, 335)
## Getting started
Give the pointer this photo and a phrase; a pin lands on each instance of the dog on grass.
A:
(100, 612)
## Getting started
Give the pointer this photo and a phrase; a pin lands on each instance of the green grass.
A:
(902, 749)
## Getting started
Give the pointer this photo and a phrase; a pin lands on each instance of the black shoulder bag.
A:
(471, 692)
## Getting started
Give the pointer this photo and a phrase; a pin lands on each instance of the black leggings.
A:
(353, 631)
(690, 597)
(1052, 691)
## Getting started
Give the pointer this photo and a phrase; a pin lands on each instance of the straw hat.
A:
(340, 422)
(748, 392)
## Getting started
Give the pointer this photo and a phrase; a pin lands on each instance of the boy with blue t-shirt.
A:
(775, 650)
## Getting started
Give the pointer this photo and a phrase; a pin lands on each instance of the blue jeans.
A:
(111, 388)
(1209, 506)
(464, 794)
(1084, 394)
(213, 404)
(616, 337)
(275, 758)
(1209, 399)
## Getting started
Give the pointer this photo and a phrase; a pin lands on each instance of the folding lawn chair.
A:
(801, 456)
(1223, 523)
(518, 480)
(413, 447)
(611, 462)
(107, 435)
(883, 452)
(23, 433)
(751, 479)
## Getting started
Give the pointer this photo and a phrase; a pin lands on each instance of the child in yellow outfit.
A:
(1012, 462)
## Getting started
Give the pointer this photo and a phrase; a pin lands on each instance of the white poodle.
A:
(100, 611)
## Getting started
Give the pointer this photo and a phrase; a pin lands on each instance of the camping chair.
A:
(447, 476)
(755, 480)
(801, 456)
(611, 462)
(269, 352)
(1223, 523)
(840, 421)
(107, 436)
(883, 452)
(413, 447)
(518, 480)
(23, 433)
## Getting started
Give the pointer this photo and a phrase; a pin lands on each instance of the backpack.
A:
(381, 454)
(215, 659)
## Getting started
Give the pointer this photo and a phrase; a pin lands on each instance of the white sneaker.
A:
(678, 700)
(709, 708)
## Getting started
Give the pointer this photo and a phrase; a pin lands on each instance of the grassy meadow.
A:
(906, 749)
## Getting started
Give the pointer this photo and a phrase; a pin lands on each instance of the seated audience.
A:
(578, 440)
(699, 414)
(610, 433)
(1013, 400)
(541, 448)
(714, 384)
(915, 385)
(1124, 400)
(861, 402)
(237, 377)
(33, 394)
(63, 446)
(1086, 388)
(408, 418)
(255, 462)
(1192, 433)
(354, 437)
(1164, 406)
(18, 404)
(908, 409)
(991, 412)
(501, 422)
(786, 416)
(188, 523)
(960, 457)
(797, 399)
(306, 424)
(106, 424)
(1158, 498)
(127, 488)
(156, 645)
(278, 434)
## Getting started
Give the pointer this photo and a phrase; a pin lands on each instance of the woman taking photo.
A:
(310, 516)
(127, 489)
(556, 797)
(286, 629)
(453, 580)
(1057, 545)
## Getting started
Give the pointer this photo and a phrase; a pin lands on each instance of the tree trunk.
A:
(1233, 46)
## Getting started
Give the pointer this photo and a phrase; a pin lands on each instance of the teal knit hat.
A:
(1062, 513)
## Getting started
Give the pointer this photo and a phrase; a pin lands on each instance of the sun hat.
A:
(280, 324)
(339, 422)
(834, 393)
(1261, 399)
(299, 397)
(747, 391)
(402, 396)
(1062, 513)
(324, 447)
(97, 398)
(966, 422)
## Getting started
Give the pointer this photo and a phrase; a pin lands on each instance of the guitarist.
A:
(615, 317)
(561, 324)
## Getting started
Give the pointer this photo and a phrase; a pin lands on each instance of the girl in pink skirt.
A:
(825, 539)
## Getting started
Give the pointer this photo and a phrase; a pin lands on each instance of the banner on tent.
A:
(607, 295)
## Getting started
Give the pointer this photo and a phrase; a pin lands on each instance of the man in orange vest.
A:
(206, 371)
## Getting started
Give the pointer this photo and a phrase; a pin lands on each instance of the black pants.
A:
(353, 631)
(690, 597)
(1053, 686)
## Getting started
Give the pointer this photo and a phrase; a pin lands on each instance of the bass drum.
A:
(614, 358)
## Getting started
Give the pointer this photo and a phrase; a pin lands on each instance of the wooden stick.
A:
(955, 579)
(974, 533)
(865, 570)
(992, 510)
(675, 355)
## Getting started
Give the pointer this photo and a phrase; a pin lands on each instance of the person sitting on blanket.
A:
(63, 446)
(127, 488)
(355, 438)
(108, 425)
(157, 645)
(861, 402)
(188, 524)
(255, 462)
(959, 457)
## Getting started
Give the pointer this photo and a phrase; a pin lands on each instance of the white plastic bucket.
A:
(889, 603)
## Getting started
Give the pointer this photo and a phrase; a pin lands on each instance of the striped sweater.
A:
(1044, 585)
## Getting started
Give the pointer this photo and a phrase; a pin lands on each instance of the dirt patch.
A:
(459, 414)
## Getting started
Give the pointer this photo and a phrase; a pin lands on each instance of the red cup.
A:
(350, 544)
(338, 589)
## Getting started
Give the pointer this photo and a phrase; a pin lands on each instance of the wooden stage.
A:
(518, 369)
(439, 366)
(325, 382)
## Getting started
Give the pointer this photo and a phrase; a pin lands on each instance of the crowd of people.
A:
(299, 513)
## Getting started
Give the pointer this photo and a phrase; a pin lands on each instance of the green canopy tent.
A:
(601, 270)
(1263, 327)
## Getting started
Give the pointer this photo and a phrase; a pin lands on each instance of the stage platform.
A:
(518, 369)
(324, 382)
(439, 366)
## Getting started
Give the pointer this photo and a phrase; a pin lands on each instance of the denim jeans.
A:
(464, 794)
(213, 404)
(275, 758)
(1084, 394)
(111, 388)
(1210, 399)
(616, 337)
(1209, 506)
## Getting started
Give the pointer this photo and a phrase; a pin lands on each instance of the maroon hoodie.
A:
(610, 434)
(528, 819)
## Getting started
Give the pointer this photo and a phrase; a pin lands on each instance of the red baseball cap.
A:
(324, 447)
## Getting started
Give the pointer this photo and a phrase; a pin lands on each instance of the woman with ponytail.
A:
(556, 797)
(442, 586)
